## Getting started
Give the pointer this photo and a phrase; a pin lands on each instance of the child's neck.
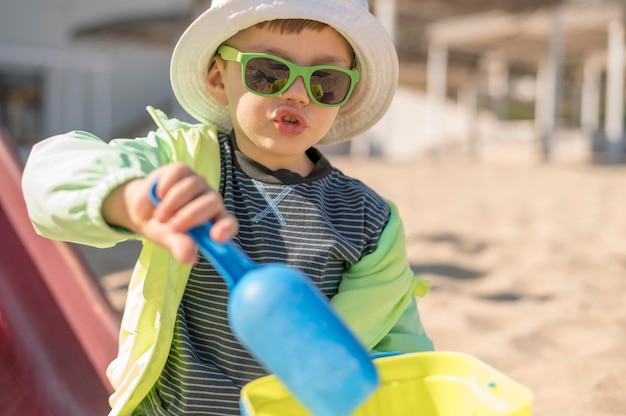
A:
(299, 163)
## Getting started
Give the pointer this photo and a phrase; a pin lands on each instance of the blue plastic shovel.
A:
(290, 327)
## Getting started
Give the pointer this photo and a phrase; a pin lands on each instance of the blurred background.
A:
(503, 149)
(538, 79)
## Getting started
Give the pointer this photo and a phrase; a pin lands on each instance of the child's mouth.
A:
(289, 122)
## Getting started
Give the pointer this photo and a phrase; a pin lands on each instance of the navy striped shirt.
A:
(322, 224)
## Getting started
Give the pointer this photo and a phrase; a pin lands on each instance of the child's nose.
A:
(296, 92)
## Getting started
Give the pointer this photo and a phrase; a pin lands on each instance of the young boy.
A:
(268, 80)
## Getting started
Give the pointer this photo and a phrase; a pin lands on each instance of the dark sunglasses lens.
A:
(330, 86)
(266, 76)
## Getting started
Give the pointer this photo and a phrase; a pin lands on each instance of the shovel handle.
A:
(227, 258)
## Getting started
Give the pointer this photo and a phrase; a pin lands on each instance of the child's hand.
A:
(186, 201)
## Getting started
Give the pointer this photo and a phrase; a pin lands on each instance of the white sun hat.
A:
(376, 57)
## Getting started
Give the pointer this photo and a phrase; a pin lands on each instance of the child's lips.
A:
(289, 121)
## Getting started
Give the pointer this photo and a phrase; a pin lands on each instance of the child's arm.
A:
(68, 178)
(377, 295)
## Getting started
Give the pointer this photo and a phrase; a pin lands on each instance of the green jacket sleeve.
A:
(377, 295)
(67, 177)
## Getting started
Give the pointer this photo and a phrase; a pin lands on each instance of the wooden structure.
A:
(589, 36)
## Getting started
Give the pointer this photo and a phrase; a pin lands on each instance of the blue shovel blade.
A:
(285, 321)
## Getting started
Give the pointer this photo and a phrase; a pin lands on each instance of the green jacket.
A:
(376, 295)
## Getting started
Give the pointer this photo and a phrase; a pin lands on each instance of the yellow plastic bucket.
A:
(416, 384)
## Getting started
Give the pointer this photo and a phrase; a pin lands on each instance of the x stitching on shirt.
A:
(272, 203)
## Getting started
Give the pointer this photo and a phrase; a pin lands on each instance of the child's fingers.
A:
(205, 207)
(179, 195)
(170, 175)
(186, 201)
(182, 247)
(224, 228)
(180, 244)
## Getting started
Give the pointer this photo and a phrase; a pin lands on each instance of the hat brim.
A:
(377, 60)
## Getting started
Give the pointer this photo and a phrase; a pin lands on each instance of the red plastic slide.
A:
(57, 330)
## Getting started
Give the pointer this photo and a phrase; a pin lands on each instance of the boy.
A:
(268, 80)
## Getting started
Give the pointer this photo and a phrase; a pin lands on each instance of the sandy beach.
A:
(528, 269)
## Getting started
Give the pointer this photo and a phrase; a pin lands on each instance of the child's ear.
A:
(214, 81)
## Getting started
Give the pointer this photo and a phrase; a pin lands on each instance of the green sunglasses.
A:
(268, 76)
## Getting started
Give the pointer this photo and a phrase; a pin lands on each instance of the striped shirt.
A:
(322, 224)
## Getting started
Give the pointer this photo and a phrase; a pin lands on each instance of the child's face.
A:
(276, 131)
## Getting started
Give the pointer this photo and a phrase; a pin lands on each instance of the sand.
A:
(528, 269)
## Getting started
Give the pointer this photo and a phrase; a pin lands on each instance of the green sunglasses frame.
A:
(229, 53)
